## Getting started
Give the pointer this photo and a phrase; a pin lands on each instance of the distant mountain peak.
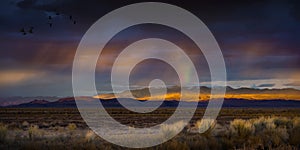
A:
(66, 99)
(36, 101)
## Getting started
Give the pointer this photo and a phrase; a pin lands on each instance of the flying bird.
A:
(23, 31)
(31, 30)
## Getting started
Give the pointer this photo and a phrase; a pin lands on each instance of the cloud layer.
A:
(259, 40)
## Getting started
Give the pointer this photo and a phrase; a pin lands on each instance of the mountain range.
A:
(114, 103)
(242, 97)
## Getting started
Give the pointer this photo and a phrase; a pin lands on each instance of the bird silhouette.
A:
(23, 31)
(50, 19)
(31, 30)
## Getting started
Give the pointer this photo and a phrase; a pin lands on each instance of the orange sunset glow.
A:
(288, 94)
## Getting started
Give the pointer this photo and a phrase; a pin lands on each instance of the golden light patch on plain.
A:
(264, 96)
(203, 97)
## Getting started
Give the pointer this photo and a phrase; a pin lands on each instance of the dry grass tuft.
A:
(3, 132)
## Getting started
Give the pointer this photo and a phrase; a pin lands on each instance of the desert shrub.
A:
(266, 132)
(283, 122)
(275, 137)
(34, 132)
(240, 130)
(174, 144)
(90, 136)
(71, 126)
(169, 130)
(25, 124)
(3, 132)
(200, 141)
(294, 138)
(296, 122)
(205, 126)
(271, 131)
(263, 123)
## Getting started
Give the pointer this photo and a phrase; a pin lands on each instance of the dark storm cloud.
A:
(259, 39)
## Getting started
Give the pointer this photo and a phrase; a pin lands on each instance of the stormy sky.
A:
(259, 41)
